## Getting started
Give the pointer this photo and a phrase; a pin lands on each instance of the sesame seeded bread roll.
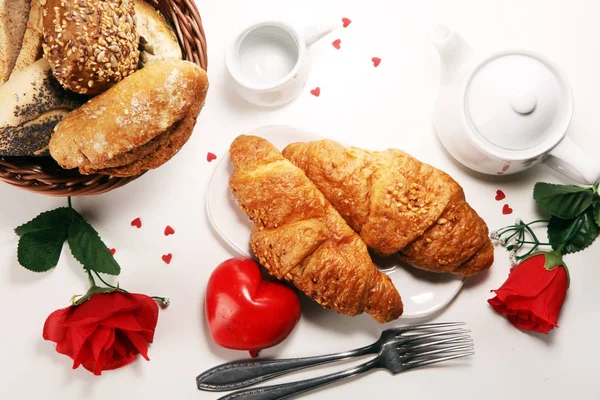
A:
(148, 116)
(90, 44)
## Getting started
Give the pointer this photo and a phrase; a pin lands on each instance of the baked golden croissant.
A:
(399, 204)
(299, 237)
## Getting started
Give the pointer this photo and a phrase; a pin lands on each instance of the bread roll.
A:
(114, 132)
(91, 44)
(13, 21)
(31, 50)
(33, 102)
(157, 40)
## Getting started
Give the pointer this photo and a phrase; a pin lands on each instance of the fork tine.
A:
(412, 338)
(435, 360)
(457, 339)
(432, 325)
(446, 350)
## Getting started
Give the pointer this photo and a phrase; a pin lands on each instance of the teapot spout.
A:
(454, 51)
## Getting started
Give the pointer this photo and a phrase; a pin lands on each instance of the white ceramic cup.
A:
(269, 62)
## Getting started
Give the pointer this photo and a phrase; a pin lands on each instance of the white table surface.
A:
(388, 106)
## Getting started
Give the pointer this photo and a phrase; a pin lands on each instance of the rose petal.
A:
(84, 356)
(139, 342)
(98, 341)
(147, 312)
(100, 307)
(53, 327)
(527, 279)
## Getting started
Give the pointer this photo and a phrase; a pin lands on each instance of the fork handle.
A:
(241, 374)
(289, 390)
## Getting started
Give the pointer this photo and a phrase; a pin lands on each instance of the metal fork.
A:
(394, 357)
(241, 374)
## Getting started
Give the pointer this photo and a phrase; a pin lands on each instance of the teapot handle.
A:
(571, 160)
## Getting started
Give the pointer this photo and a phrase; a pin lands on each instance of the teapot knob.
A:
(523, 102)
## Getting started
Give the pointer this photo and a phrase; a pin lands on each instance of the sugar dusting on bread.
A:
(130, 114)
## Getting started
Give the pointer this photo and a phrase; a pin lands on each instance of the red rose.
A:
(534, 292)
(105, 332)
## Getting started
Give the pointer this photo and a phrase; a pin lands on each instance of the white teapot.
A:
(504, 112)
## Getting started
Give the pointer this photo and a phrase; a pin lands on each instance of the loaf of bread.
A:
(33, 102)
(31, 50)
(157, 40)
(136, 125)
(13, 22)
(90, 44)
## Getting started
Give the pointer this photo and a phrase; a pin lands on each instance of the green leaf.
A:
(42, 239)
(563, 201)
(597, 211)
(558, 231)
(39, 251)
(87, 247)
(49, 220)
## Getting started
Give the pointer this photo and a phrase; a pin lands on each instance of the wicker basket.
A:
(43, 175)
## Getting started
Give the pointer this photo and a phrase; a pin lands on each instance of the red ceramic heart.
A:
(316, 92)
(376, 61)
(137, 223)
(507, 210)
(245, 312)
(500, 195)
(210, 157)
(112, 251)
(169, 231)
(167, 258)
(346, 22)
(336, 43)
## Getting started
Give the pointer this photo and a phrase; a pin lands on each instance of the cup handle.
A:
(572, 161)
(313, 33)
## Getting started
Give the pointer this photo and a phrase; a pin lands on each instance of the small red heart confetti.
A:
(167, 258)
(507, 210)
(376, 61)
(137, 223)
(210, 157)
(500, 195)
(505, 167)
(112, 251)
(336, 43)
(346, 21)
(169, 231)
(316, 92)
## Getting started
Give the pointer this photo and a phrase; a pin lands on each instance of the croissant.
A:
(299, 237)
(399, 205)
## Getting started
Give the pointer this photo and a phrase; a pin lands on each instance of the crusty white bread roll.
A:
(13, 21)
(157, 40)
(33, 102)
(138, 124)
(90, 44)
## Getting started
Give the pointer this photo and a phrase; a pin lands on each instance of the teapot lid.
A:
(518, 101)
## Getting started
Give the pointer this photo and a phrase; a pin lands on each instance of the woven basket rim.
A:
(43, 175)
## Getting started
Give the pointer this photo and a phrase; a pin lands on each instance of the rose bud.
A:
(105, 332)
(534, 292)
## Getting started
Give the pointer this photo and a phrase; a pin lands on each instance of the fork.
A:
(241, 374)
(393, 357)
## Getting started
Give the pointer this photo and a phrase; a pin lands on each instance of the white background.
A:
(388, 106)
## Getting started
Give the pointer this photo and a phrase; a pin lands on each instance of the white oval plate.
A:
(423, 293)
